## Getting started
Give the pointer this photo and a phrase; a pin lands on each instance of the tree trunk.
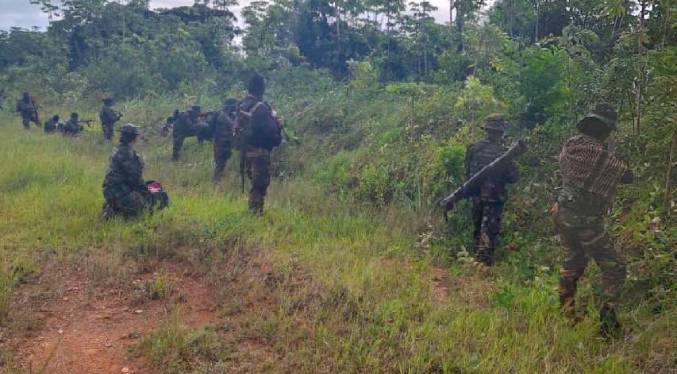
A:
(640, 83)
(668, 177)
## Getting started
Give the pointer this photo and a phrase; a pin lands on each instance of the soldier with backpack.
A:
(28, 109)
(222, 123)
(259, 131)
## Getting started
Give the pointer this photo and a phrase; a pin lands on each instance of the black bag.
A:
(263, 129)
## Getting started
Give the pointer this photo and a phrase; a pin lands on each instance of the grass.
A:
(349, 289)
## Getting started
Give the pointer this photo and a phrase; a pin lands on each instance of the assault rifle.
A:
(448, 203)
(87, 122)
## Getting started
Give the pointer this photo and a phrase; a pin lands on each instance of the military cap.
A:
(129, 129)
(603, 114)
(496, 122)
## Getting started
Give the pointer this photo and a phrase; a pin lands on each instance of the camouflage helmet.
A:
(495, 122)
(130, 129)
(603, 114)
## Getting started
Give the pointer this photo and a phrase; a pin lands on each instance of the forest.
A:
(353, 267)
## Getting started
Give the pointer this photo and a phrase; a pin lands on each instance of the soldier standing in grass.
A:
(184, 126)
(590, 175)
(222, 127)
(259, 132)
(488, 200)
(28, 109)
(108, 117)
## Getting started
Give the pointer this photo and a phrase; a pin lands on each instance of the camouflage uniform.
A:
(72, 127)
(222, 127)
(590, 175)
(108, 117)
(489, 199)
(27, 108)
(52, 125)
(256, 162)
(124, 189)
(185, 125)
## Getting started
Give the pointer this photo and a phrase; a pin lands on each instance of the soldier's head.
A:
(74, 115)
(256, 85)
(129, 133)
(230, 105)
(495, 125)
(600, 122)
(25, 96)
(108, 101)
(55, 117)
(195, 110)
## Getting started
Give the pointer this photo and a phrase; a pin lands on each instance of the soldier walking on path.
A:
(590, 174)
(108, 117)
(488, 200)
(28, 109)
(259, 132)
(222, 127)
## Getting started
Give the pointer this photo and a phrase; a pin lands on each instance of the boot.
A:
(609, 326)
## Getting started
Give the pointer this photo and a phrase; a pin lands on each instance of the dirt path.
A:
(91, 330)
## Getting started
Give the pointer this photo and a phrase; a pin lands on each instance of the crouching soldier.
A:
(52, 125)
(124, 189)
(590, 175)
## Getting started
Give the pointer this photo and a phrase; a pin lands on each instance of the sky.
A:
(21, 13)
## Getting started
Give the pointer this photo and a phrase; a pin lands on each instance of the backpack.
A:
(259, 127)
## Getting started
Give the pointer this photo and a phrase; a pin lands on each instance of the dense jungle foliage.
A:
(383, 100)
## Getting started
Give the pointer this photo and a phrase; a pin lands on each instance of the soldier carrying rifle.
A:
(489, 168)
(28, 109)
(108, 117)
(73, 126)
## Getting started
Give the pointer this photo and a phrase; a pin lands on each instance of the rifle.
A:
(87, 122)
(448, 203)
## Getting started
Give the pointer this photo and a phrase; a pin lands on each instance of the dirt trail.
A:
(91, 330)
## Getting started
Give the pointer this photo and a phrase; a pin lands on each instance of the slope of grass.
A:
(371, 308)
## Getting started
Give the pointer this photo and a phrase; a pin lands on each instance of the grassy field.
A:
(347, 288)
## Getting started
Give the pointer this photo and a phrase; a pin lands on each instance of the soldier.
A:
(488, 200)
(222, 127)
(259, 133)
(72, 127)
(28, 109)
(590, 175)
(124, 189)
(184, 126)
(169, 123)
(108, 117)
(53, 125)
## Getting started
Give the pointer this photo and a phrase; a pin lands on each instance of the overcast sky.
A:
(21, 13)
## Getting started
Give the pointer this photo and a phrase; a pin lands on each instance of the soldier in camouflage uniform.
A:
(124, 189)
(590, 175)
(72, 127)
(252, 111)
(222, 127)
(184, 126)
(489, 199)
(52, 125)
(28, 109)
(108, 117)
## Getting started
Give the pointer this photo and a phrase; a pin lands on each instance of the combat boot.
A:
(609, 326)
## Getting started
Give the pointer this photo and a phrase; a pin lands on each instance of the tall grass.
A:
(365, 303)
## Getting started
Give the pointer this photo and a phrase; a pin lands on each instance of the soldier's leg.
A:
(177, 144)
(26, 122)
(477, 210)
(132, 204)
(221, 155)
(489, 229)
(573, 267)
(260, 178)
(107, 131)
(612, 266)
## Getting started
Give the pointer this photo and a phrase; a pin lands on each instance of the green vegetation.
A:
(352, 269)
